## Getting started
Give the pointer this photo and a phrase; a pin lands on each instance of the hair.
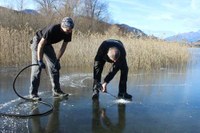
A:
(115, 53)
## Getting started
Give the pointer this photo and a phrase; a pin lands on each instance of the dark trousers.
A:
(119, 65)
(50, 57)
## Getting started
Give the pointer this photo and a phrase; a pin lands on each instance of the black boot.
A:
(125, 96)
(97, 87)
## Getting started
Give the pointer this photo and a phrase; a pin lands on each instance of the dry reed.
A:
(144, 54)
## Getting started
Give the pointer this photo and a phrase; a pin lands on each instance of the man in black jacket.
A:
(42, 46)
(111, 51)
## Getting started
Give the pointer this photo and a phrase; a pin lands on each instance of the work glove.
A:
(41, 64)
(57, 64)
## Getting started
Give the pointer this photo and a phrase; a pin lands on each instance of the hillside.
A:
(29, 11)
(189, 37)
(128, 29)
(8, 21)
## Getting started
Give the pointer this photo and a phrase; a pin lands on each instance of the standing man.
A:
(111, 51)
(42, 46)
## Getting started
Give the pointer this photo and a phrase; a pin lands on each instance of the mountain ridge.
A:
(29, 11)
(189, 37)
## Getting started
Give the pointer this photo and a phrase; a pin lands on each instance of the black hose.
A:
(28, 99)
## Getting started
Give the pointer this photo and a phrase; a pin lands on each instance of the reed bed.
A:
(15, 46)
(143, 53)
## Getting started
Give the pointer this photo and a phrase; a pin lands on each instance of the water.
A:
(164, 101)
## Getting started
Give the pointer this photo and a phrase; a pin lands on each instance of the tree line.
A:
(89, 15)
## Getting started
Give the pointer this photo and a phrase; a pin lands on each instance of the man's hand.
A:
(41, 64)
(104, 87)
(57, 64)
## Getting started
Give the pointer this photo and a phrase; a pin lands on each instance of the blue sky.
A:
(158, 17)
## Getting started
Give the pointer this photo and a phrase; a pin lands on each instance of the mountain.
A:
(128, 29)
(29, 11)
(26, 11)
(189, 37)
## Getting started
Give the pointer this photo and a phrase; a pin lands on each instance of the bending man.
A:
(111, 51)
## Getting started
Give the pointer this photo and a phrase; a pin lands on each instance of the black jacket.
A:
(104, 47)
(101, 58)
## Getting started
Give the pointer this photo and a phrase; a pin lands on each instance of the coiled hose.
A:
(28, 99)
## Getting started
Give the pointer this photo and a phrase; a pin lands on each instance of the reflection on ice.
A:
(165, 100)
(13, 125)
(122, 101)
(9, 103)
(75, 80)
(164, 85)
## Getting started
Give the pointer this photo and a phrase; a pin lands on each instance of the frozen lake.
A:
(164, 101)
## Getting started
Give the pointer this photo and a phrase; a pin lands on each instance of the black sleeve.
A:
(119, 65)
(113, 70)
(46, 36)
(68, 37)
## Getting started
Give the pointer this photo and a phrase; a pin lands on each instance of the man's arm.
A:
(62, 50)
(112, 72)
(40, 49)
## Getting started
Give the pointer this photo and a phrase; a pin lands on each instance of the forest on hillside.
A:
(88, 15)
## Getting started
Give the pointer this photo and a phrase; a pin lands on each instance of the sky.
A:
(161, 18)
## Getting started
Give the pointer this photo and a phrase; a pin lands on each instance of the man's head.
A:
(113, 54)
(67, 24)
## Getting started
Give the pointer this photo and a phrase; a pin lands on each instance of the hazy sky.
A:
(159, 17)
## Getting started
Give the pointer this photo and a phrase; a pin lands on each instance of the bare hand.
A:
(104, 87)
